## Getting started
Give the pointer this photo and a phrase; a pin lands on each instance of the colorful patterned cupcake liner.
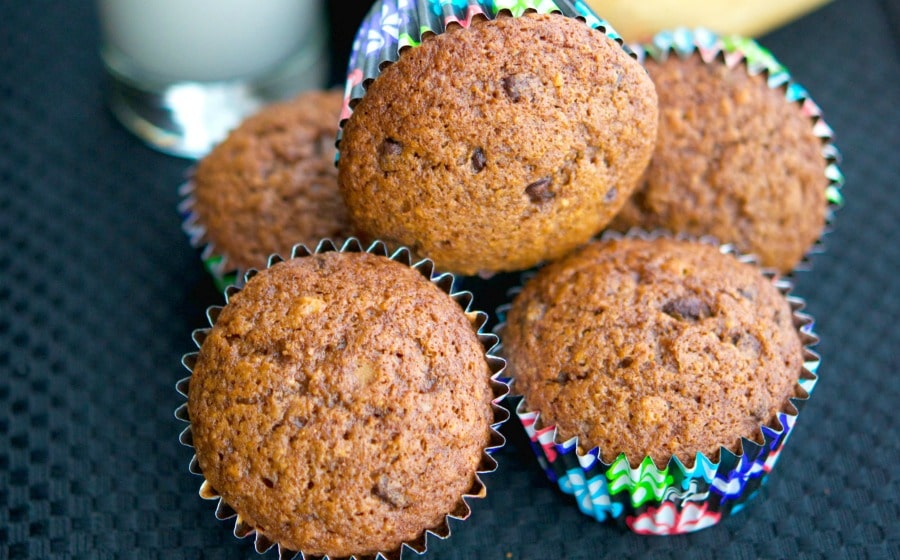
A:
(499, 386)
(674, 499)
(735, 50)
(394, 25)
(217, 264)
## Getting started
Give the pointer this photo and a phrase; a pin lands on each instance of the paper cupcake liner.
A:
(675, 499)
(224, 274)
(499, 386)
(394, 25)
(733, 51)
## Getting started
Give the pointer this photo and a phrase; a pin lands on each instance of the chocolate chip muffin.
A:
(500, 145)
(653, 348)
(341, 404)
(272, 183)
(734, 159)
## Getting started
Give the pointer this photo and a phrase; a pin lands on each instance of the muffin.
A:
(498, 143)
(342, 403)
(736, 157)
(271, 184)
(656, 348)
(660, 378)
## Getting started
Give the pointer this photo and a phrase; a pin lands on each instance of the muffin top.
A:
(500, 145)
(272, 183)
(734, 159)
(653, 348)
(341, 404)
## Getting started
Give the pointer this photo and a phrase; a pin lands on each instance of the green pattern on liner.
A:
(407, 40)
(834, 195)
(753, 52)
(518, 7)
(833, 192)
(213, 265)
(645, 483)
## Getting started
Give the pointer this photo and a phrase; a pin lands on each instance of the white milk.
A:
(206, 40)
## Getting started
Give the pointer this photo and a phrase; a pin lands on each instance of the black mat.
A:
(100, 291)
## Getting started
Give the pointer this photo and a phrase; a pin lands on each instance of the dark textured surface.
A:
(100, 292)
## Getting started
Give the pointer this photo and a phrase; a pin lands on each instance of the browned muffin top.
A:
(341, 404)
(655, 348)
(498, 146)
(734, 159)
(272, 183)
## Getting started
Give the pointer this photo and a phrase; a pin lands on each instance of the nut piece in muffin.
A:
(734, 159)
(654, 348)
(500, 145)
(341, 404)
(272, 183)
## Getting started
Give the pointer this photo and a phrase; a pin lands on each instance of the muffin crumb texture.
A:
(734, 159)
(655, 348)
(501, 145)
(272, 183)
(341, 404)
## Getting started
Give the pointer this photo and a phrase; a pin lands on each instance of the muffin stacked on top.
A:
(499, 146)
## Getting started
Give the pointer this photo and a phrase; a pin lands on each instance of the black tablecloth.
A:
(100, 291)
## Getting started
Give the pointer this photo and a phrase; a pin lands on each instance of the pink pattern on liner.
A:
(353, 79)
(543, 437)
(471, 12)
(667, 520)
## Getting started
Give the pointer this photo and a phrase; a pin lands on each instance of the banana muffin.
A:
(654, 348)
(500, 145)
(734, 159)
(341, 404)
(272, 183)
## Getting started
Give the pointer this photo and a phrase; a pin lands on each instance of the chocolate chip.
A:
(388, 155)
(478, 160)
(620, 73)
(519, 87)
(539, 191)
(428, 383)
(564, 377)
(610, 195)
(748, 293)
(391, 147)
(323, 145)
(687, 308)
(748, 344)
(390, 492)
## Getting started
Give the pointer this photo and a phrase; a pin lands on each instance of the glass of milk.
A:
(185, 72)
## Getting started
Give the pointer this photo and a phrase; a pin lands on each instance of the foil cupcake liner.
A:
(391, 26)
(224, 274)
(674, 499)
(734, 51)
(499, 387)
